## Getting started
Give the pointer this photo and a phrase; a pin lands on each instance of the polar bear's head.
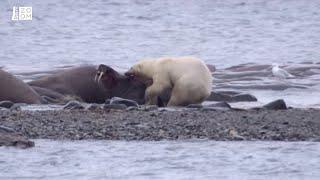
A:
(143, 68)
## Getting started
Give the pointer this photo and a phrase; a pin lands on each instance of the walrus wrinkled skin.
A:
(15, 90)
(75, 82)
(79, 82)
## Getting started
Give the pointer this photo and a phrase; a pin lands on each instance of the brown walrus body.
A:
(74, 82)
(15, 90)
(79, 82)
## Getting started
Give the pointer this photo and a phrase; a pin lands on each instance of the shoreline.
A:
(155, 125)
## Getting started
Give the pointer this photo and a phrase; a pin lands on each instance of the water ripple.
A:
(164, 159)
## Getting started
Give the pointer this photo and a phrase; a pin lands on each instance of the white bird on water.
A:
(280, 73)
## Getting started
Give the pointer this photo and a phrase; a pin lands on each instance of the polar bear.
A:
(188, 78)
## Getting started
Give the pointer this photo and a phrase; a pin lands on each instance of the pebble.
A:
(216, 96)
(6, 129)
(127, 102)
(220, 105)
(213, 108)
(73, 105)
(197, 106)
(276, 105)
(6, 104)
(243, 97)
(93, 107)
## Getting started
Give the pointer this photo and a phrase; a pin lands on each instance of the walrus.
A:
(15, 90)
(79, 82)
(75, 82)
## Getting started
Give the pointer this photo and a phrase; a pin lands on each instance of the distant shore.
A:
(282, 125)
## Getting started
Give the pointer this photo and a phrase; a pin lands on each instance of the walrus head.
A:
(135, 76)
(107, 75)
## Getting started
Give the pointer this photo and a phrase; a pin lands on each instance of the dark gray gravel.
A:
(287, 125)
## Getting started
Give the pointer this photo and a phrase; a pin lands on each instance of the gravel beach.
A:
(262, 124)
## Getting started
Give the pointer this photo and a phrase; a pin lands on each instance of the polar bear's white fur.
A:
(188, 78)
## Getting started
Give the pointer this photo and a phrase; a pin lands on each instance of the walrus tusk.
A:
(95, 78)
(100, 76)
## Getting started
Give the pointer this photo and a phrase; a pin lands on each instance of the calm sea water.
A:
(162, 160)
(118, 33)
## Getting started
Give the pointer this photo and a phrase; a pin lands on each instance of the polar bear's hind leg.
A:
(185, 93)
(154, 91)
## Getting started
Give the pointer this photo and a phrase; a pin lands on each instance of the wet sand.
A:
(284, 125)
